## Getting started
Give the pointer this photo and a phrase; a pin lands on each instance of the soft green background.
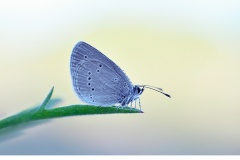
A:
(189, 48)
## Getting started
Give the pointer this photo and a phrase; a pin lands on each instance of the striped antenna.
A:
(155, 89)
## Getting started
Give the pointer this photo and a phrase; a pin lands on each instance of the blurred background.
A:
(188, 48)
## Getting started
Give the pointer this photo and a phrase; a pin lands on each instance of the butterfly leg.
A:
(130, 107)
(118, 106)
(139, 103)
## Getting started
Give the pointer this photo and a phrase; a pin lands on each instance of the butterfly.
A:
(98, 81)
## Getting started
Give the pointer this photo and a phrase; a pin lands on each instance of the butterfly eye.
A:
(138, 90)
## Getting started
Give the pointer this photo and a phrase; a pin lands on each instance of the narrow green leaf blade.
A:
(40, 112)
(46, 100)
(78, 110)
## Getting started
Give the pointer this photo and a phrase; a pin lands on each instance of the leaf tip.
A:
(42, 107)
(52, 89)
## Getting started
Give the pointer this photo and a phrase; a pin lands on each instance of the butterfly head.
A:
(137, 91)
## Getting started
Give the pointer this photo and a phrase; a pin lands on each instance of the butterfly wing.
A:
(96, 79)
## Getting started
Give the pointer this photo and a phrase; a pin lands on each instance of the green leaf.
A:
(40, 112)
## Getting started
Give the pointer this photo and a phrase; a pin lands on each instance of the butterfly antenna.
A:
(155, 89)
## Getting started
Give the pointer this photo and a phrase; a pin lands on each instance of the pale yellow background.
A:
(188, 48)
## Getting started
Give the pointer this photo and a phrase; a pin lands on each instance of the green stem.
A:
(40, 112)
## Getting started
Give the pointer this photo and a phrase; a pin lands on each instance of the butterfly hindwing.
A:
(97, 83)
